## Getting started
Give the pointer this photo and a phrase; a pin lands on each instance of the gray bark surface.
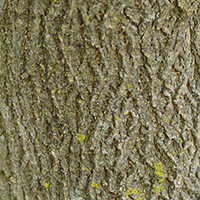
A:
(99, 99)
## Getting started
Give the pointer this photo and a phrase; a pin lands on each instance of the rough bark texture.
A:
(99, 99)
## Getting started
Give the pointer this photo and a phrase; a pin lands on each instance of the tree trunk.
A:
(99, 99)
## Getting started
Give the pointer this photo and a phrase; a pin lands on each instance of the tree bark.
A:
(99, 99)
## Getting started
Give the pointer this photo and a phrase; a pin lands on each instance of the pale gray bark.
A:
(99, 99)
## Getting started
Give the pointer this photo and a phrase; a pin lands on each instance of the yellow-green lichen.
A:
(131, 190)
(66, 49)
(116, 117)
(157, 169)
(126, 113)
(155, 189)
(160, 187)
(159, 174)
(94, 185)
(46, 185)
(165, 119)
(118, 20)
(128, 85)
(139, 197)
(87, 16)
(86, 169)
(80, 137)
(160, 180)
